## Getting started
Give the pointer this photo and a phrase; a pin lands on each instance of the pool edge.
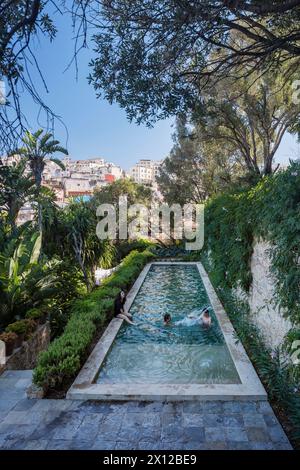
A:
(84, 388)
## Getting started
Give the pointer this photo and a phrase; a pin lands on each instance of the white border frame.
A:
(250, 387)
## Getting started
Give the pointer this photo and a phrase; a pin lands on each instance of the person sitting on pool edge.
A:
(119, 308)
(167, 319)
(205, 318)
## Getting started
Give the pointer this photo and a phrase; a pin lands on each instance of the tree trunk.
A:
(38, 182)
(40, 217)
(78, 248)
(268, 164)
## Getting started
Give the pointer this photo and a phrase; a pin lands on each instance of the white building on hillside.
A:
(82, 177)
(145, 172)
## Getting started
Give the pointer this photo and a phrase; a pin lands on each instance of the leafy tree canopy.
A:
(153, 57)
(136, 193)
(197, 169)
(252, 115)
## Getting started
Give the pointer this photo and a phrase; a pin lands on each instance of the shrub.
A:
(27, 278)
(69, 287)
(64, 357)
(123, 248)
(8, 337)
(22, 327)
(19, 327)
(34, 314)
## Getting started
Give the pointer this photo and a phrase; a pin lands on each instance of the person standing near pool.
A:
(119, 308)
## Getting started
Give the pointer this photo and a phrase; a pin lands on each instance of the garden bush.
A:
(34, 313)
(124, 247)
(64, 357)
(19, 327)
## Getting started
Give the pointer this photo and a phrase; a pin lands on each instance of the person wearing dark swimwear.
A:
(119, 308)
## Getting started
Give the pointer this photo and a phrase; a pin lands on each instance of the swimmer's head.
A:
(167, 318)
(205, 313)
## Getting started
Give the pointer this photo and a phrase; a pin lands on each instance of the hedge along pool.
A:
(181, 353)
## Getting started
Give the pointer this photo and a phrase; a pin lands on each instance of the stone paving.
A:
(66, 424)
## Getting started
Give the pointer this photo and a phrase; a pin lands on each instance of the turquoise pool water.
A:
(150, 352)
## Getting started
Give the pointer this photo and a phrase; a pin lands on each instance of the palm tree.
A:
(37, 148)
(16, 188)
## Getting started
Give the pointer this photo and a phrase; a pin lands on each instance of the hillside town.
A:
(80, 178)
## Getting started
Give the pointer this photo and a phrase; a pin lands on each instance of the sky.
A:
(94, 127)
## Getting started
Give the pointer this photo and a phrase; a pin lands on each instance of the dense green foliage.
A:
(123, 248)
(22, 327)
(63, 359)
(229, 237)
(27, 279)
(198, 167)
(136, 193)
(16, 188)
(35, 149)
(152, 57)
(74, 238)
(269, 210)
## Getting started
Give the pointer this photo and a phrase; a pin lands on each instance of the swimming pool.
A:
(150, 361)
(150, 352)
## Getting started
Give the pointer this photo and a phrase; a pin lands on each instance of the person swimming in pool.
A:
(167, 319)
(119, 308)
(204, 319)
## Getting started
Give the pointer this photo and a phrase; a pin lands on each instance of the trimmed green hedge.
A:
(65, 355)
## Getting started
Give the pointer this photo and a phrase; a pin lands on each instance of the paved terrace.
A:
(67, 424)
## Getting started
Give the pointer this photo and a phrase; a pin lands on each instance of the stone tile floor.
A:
(67, 424)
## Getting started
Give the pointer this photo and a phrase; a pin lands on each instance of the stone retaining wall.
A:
(25, 357)
(261, 298)
(264, 311)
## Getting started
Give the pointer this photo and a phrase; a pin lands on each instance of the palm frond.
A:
(58, 162)
(55, 148)
(37, 134)
(45, 138)
(36, 250)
